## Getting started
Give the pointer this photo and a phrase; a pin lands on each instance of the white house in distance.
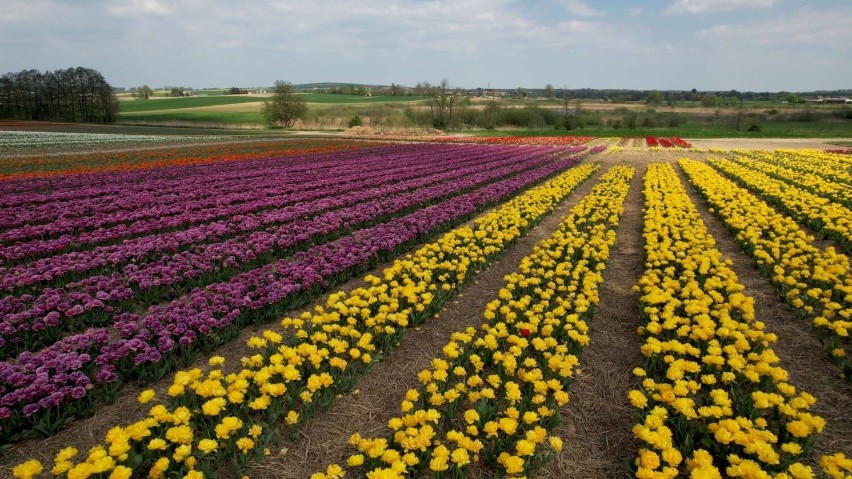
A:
(832, 100)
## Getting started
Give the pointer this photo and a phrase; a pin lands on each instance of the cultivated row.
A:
(494, 397)
(49, 383)
(815, 282)
(211, 418)
(713, 392)
(90, 300)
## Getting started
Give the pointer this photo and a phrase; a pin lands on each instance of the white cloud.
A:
(472, 42)
(577, 26)
(23, 12)
(705, 6)
(801, 28)
(138, 7)
(581, 9)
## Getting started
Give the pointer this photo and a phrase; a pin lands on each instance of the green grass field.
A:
(211, 116)
(329, 109)
(138, 106)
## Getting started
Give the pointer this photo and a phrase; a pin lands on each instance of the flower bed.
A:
(834, 168)
(211, 418)
(494, 396)
(152, 345)
(666, 142)
(47, 166)
(824, 216)
(837, 192)
(47, 316)
(192, 202)
(814, 282)
(713, 394)
(518, 140)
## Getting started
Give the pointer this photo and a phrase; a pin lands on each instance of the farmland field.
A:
(539, 306)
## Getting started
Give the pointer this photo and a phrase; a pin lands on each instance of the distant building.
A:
(831, 100)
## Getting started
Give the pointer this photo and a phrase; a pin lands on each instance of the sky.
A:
(715, 45)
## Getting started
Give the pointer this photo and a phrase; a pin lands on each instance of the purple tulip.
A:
(459, 179)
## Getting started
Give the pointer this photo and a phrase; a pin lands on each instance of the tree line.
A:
(73, 95)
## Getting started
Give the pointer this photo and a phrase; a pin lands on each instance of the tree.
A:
(654, 98)
(791, 98)
(284, 107)
(396, 90)
(442, 101)
(740, 115)
(489, 114)
(709, 100)
(73, 94)
(143, 92)
(548, 91)
(567, 120)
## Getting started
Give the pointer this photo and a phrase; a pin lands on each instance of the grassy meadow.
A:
(505, 116)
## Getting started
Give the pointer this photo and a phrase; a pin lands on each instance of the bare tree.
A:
(143, 92)
(441, 103)
(548, 91)
(285, 106)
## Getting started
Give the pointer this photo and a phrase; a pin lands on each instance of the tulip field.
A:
(540, 307)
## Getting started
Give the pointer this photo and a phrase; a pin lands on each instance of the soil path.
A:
(597, 422)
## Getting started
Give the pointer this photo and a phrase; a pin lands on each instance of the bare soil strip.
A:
(800, 351)
(324, 439)
(597, 422)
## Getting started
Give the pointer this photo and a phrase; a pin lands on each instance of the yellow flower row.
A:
(832, 167)
(494, 396)
(214, 417)
(831, 219)
(713, 391)
(838, 192)
(816, 283)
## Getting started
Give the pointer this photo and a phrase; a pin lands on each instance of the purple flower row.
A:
(327, 184)
(152, 200)
(144, 248)
(26, 318)
(109, 185)
(31, 385)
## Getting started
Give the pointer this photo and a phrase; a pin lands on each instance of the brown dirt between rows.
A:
(597, 420)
